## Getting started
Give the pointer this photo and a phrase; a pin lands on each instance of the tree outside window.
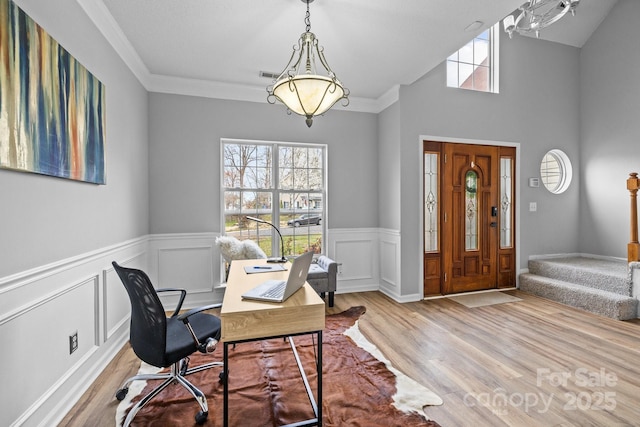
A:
(283, 184)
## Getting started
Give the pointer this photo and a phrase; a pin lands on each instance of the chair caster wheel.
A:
(122, 393)
(201, 417)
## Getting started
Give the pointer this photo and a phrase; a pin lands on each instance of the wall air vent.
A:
(269, 75)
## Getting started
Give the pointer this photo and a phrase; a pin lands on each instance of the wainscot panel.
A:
(357, 252)
(390, 262)
(189, 261)
(634, 273)
(40, 309)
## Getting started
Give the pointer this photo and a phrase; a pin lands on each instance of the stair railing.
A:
(633, 248)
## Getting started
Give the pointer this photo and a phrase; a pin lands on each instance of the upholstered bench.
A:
(322, 277)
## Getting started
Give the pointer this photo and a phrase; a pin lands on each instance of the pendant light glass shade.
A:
(308, 95)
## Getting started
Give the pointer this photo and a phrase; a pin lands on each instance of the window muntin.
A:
(556, 171)
(475, 65)
(278, 183)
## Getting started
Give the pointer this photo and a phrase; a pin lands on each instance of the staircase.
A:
(600, 286)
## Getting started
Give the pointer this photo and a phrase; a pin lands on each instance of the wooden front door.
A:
(474, 248)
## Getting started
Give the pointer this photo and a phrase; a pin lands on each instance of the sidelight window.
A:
(431, 199)
(506, 205)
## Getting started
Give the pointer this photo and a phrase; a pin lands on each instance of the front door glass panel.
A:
(471, 203)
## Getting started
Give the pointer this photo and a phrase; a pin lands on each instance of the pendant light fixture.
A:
(299, 86)
(534, 15)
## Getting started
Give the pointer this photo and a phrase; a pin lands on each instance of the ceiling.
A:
(217, 48)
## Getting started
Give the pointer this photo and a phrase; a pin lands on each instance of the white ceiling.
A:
(217, 48)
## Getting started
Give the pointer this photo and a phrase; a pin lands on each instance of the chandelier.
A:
(538, 14)
(299, 87)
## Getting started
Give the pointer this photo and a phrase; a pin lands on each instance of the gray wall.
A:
(537, 107)
(389, 168)
(58, 237)
(45, 219)
(610, 130)
(185, 135)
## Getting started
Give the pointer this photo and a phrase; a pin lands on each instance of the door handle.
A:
(494, 224)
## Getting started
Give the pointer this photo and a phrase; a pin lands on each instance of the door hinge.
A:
(445, 158)
(445, 277)
(445, 217)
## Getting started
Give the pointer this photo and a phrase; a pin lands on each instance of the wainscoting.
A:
(190, 261)
(42, 307)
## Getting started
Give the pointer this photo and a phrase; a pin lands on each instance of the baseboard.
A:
(351, 289)
(401, 298)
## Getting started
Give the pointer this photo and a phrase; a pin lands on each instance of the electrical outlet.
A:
(73, 342)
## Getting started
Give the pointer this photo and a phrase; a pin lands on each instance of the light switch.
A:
(533, 206)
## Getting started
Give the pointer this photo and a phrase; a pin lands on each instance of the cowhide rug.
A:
(360, 387)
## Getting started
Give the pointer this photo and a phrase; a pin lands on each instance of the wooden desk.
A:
(243, 320)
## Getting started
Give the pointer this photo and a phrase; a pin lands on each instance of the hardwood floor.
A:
(528, 363)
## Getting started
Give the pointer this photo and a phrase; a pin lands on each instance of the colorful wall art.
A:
(52, 110)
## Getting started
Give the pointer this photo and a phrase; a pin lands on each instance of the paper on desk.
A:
(263, 268)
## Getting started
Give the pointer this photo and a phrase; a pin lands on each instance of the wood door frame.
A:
(517, 177)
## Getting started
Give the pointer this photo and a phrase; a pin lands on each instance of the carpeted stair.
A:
(600, 286)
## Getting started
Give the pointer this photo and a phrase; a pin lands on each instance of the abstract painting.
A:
(52, 109)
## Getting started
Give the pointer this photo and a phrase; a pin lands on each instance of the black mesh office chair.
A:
(164, 341)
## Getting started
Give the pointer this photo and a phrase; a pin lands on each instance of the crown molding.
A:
(205, 88)
(107, 25)
(388, 98)
(236, 92)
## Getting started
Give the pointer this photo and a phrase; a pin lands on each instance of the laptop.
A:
(280, 290)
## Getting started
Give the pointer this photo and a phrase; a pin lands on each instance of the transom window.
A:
(281, 183)
(475, 65)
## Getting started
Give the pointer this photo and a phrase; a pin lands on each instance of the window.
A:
(475, 65)
(283, 184)
(506, 192)
(431, 201)
(556, 171)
